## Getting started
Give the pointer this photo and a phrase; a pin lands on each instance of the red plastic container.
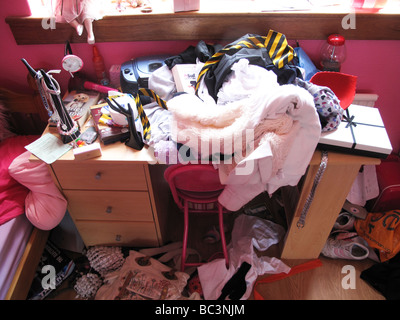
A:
(388, 175)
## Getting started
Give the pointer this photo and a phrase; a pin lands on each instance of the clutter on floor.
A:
(108, 273)
(87, 285)
(54, 267)
(381, 230)
(343, 244)
(362, 231)
(142, 277)
(236, 286)
(385, 277)
(309, 265)
(150, 273)
(249, 234)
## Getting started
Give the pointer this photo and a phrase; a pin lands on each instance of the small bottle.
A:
(333, 53)
(99, 67)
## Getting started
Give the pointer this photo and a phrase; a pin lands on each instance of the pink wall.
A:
(375, 63)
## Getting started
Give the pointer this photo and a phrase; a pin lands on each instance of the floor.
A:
(323, 283)
(334, 280)
(331, 281)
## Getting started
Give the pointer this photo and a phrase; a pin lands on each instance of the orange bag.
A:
(382, 231)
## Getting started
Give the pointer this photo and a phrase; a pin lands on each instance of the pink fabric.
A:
(12, 193)
(45, 206)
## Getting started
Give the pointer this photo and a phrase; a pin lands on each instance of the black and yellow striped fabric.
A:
(142, 114)
(150, 93)
(274, 43)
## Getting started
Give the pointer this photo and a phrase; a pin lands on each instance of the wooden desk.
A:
(121, 175)
(330, 195)
(119, 198)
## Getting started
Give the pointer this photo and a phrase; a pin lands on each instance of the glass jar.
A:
(333, 53)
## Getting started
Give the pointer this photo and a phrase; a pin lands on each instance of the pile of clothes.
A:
(253, 116)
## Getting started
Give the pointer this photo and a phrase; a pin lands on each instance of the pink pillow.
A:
(45, 206)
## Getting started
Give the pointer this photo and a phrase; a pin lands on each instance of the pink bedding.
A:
(12, 193)
(45, 206)
(14, 235)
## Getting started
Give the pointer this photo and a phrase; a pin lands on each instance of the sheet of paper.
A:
(365, 186)
(48, 148)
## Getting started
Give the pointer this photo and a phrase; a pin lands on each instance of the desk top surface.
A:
(119, 152)
(116, 152)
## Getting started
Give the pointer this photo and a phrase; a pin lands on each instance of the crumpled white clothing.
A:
(45, 206)
(269, 104)
(162, 82)
(160, 120)
(248, 232)
(240, 84)
(299, 105)
(208, 127)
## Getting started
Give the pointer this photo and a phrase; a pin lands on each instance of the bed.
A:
(21, 244)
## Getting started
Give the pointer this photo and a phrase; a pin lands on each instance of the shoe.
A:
(90, 39)
(345, 245)
(212, 236)
(79, 29)
(345, 221)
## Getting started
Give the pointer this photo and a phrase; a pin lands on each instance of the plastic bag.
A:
(249, 232)
(382, 231)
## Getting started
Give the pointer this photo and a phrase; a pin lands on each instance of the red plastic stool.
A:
(195, 188)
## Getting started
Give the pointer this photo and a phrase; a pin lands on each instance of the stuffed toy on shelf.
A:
(79, 14)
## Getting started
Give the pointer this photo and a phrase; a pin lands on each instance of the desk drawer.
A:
(109, 205)
(100, 176)
(131, 234)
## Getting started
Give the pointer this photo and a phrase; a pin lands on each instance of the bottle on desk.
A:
(99, 67)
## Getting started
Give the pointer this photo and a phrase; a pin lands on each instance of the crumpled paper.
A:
(248, 232)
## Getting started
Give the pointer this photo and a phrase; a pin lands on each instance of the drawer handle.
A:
(98, 176)
(118, 237)
(109, 209)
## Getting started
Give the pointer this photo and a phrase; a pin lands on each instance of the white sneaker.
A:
(345, 221)
(345, 245)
